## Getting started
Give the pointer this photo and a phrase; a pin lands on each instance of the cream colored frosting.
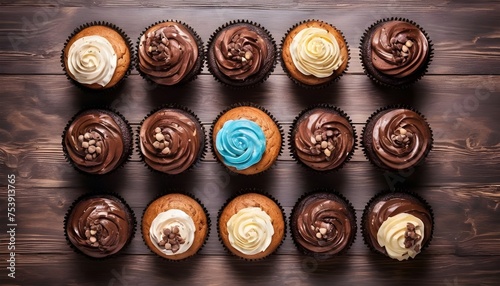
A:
(391, 235)
(316, 52)
(169, 219)
(92, 59)
(250, 230)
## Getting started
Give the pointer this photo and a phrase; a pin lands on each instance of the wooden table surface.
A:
(460, 179)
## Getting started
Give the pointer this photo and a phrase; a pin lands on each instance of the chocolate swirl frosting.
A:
(401, 138)
(398, 48)
(94, 142)
(240, 51)
(390, 205)
(323, 139)
(171, 140)
(99, 226)
(168, 52)
(324, 225)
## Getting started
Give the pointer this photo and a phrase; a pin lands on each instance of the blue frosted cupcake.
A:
(246, 139)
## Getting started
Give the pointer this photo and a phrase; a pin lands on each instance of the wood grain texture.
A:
(460, 97)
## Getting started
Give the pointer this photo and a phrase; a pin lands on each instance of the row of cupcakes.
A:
(252, 225)
(246, 139)
(394, 52)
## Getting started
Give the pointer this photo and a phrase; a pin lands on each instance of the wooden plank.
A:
(33, 40)
(293, 270)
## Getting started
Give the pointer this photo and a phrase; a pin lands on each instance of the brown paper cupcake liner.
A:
(96, 194)
(242, 104)
(129, 46)
(108, 111)
(182, 192)
(319, 86)
(397, 193)
(252, 81)
(243, 192)
(405, 82)
(202, 152)
(293, 151)
(373, 116)
(196, 69)
(340, 197)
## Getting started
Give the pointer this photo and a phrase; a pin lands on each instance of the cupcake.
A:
(314, 53)
(241, 54)
(97, 141)
(323, 224)
(395, 52)
(97, 56)
(397, 224)
(322, 138)
(251, 226)
(169, 53)
(246, 139)
(397, 138)
(99, 225)
(175, 226)
(171, 140)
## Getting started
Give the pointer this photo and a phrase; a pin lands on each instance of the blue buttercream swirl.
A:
(241, 143)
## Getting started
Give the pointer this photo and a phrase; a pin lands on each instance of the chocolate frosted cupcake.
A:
(246, 139)
(171, 140)
(97, 56)
(97, 141)
(397, 138)
(175, 226)
(323, 224)
(314, 53)
(395, 52)
(322, 138)
(241, 54)
(99, 225)
(397, 224)
(251, 226)
(169, 53)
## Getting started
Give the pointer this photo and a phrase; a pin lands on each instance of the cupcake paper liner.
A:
(196, 69)
(95, 194)
(107, 110)
(319, 86)
(129, 46)
(386, 108)
(395, 193)
(291, 147)
(233, 83)
(322, 256)
(243, 104)
(250, 191)
(203, 149)
(181, 192)
(410, 80)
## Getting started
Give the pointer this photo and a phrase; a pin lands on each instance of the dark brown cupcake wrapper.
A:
(196, 70)
(319, 86)
(242, 104)
(386, 108)
(204, 147)
(243, 192)
(254, 82)
(129, 46)
(321, 256)
(107, 110)
(421, 72)
(97, 194)
(395, 193)
(181, 192)
(291, 147)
